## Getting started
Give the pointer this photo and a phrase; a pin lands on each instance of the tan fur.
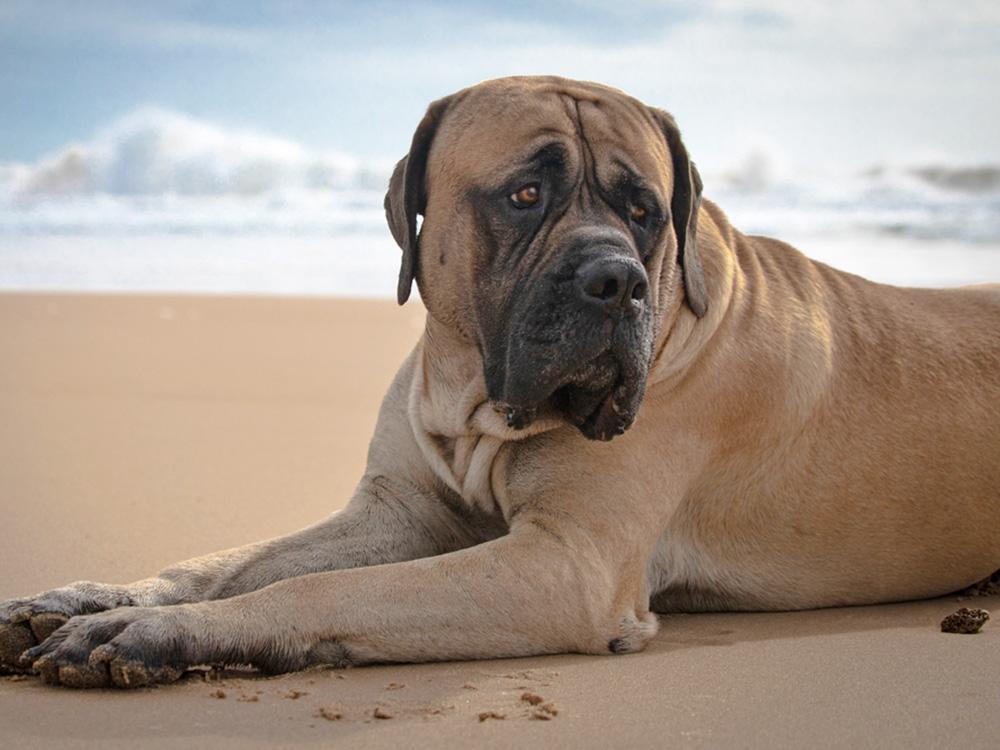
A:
(815, 439)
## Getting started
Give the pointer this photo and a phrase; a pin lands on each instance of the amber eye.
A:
(637, 213)
(526, 196)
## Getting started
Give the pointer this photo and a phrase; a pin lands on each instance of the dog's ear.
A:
(684, 205)
(407, 195)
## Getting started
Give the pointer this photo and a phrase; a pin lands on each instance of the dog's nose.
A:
(612, 283)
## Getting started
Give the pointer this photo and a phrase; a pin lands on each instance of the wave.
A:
(155, 152)
(157, 171)
(920, 200)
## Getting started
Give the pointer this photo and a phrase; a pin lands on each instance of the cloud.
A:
(851, 81)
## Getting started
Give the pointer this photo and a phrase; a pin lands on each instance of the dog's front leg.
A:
(387, 521)
(537, 590)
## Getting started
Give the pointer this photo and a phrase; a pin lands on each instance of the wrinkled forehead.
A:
(494, 127)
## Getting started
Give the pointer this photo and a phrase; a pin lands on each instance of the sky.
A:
(855, 83)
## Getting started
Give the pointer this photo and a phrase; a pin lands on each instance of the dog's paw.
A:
(27, 622)
(634, 632)
(126, 648)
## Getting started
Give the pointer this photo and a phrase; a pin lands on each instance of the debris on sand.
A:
(219, 693)
(543, 711)
(381, 713)
(986, 587)
(294, 695)
(395, 686)
(491, 715)
(244, 698)
(330, 714)
(965, 620)
(469, 686)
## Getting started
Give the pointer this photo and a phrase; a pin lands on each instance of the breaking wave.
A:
(154, 152)
(156, 171)
(160, 171)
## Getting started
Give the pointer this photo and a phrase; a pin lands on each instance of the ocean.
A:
(163, 202)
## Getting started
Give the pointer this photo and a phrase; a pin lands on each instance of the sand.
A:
(139, 430)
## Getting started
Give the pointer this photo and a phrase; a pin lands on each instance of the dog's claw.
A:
(103, 654)
(30, 658)
(47, 669)
(78, 676)
(14, 641)
(46, 623)
(21, 614)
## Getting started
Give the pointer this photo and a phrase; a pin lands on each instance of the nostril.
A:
(602, 289)
(639, 290)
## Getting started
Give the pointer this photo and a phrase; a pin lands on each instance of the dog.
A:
(620, 405)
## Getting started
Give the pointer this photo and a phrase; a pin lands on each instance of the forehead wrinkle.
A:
(505, 109)
(629, 172)
(627, 120)
(597, 189)
(629, 175)
(588, 162)
(541, 154)
(465, 146)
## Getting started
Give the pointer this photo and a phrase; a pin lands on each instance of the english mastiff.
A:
(620, 405)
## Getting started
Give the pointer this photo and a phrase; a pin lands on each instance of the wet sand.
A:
(139, 430)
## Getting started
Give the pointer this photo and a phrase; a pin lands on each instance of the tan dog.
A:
(806, 438)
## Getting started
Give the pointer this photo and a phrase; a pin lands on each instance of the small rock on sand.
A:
(965, 620)
(381, 713)
(331, 714)
(491, 715)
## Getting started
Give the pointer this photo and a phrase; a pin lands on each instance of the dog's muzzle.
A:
(579, 341)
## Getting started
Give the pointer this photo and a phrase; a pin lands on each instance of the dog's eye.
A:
(637, 214)
(527, 196)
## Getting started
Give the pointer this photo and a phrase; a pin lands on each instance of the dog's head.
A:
(558, 225)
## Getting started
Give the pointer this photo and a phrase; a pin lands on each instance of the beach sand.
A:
(139, 430)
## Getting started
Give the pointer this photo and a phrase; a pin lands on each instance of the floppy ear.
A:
(684, 205)
(407, 195)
